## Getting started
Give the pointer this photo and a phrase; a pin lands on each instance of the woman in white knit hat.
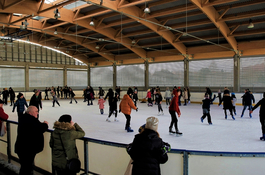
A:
(148, 150)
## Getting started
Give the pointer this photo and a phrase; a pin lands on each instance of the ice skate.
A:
(108, 120)
(162, 113)
(116, 120)
(158, 114)
(226, 117)
(178, 133)
(129, 129)
(242, 115)
(70, 102)
(263, 137)
(250, 115)
(233, 118)
(201, 119)
(171, 132)
(210, 123)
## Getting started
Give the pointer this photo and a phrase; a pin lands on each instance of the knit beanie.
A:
(19, 95)
(65, 118)
(152, 123)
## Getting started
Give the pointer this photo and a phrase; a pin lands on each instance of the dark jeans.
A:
(112, 111)
(53, 102)
(179, 101)
(160, 107)
(245, 106)
(174, 120)
(234, 109)
(206, 112)
(230, 112)
(26, 160)
(168, 101)
(128, 121)
(262, 122)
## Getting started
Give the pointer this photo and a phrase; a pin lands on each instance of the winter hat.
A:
(19, 95)
(1, 101)
(152, 123)
(141, 128)
(65, 118)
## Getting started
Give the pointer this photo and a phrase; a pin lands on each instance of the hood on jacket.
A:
(63, 126)
(126, 96)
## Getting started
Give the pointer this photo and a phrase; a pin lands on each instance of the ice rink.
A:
(241, 135)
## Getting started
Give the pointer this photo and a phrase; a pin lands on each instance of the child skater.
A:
(113, 107)
(173, 108)
(206, 108)
(234, 102)
(219, 95)
(227, 104)
(54, 99)
(261, 103)
(159, 102)
(167, 97)
(149, 98)
(72, 95)
(20, 104)
(101, 102)
(135, 97)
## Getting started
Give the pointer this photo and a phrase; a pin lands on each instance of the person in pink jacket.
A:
(149, 98)
(101, 102)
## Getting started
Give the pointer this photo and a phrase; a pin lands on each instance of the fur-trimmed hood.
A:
(63, 126)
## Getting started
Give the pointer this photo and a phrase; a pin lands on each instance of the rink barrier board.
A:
(110, 158)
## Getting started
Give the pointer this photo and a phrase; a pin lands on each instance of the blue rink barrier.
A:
(93, 153)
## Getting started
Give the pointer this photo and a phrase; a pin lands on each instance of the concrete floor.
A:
(241, 135)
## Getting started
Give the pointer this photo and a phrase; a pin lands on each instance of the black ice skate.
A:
(178, 133)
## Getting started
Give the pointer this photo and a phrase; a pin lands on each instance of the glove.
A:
(165, 148)
(136, 109)
(119, 111)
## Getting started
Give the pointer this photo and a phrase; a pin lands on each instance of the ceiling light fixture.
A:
(57, 14)
(27, 38)
(92, 22)
(147, 10)
(133, 41)
(24, 25)
(250, 25)
(55, 32)
(97, 47)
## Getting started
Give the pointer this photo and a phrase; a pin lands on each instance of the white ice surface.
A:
(241, 135)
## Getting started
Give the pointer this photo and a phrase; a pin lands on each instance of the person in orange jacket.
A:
(125, 107)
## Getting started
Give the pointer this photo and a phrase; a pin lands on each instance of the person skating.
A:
(46, 93)
(185, 96)
(20, 104)
(125, 107)
(227, 104)
(54, 99)
(173, 108)
(206, 103)
(247, 99)
(72, 95)
(113, 108)
(11, 95)
(148, 96)
(167, 97)
(36, 101)
(180, 95)
(188, 90)
(101, 102)
(261, 103)
(135, 97)
(5, 95)
(159, 98)
(109, 95)
(219, 96)
(234, 102)
(3, 115)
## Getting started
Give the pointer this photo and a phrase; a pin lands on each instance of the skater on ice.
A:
(101, 102)
(173, 108)
(206, 103)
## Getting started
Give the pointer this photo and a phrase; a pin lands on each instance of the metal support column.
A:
(86, 165)
(146, 80)
(88, 75)
(185, 163)
(26, 77)
(236, 73)
(65, 75)
(114, 76)
(186, 72)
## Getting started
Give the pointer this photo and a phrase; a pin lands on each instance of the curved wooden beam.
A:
(213, 15)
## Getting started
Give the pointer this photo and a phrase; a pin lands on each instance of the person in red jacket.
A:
(149, 98)
(173, 108)
(3, 115)
(125, 107)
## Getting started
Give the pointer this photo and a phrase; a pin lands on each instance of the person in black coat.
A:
(261, 103)
(227, 104)
(36, 100)
(30, 140)
(206, 108)
(247, 102)
(72, 95)
(5, 95)
(46, 94)
(130, 92)
(148, 150)
(159, 99)
(113, 108)
(118, 90)
(11, 95)
(110, 94)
